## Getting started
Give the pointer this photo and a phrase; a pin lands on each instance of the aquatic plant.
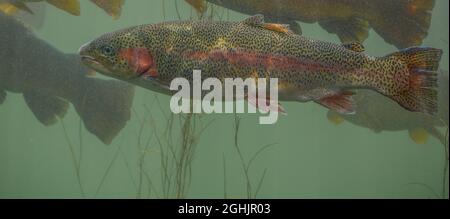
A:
(444, 193)
(251, 192)
(76, 162)
(176, 141)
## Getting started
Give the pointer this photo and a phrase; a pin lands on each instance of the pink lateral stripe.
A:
(254, 59)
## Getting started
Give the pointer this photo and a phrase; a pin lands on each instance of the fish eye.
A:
(107, 50)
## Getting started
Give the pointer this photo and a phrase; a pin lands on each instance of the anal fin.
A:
(46, 109)
(348, 30)
(341, 102)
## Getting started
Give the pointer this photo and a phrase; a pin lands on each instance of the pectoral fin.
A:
(342, 102)
(419, 135)
(70, 6)
(348, 30)
(46, 109)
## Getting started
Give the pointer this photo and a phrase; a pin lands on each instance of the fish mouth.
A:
(89, 59)
(93, 63)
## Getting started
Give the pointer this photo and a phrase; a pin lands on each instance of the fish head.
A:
(121, 55)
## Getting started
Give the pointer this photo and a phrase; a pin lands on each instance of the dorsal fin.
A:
(281, 28)
(258, 21)
(255, 20)
(355, 46)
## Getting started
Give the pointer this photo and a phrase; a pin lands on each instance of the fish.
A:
(111, 7)
(153, 55)
(379, 114)
(12, 6)
(35, 20)
(49, 80)
(402, 23)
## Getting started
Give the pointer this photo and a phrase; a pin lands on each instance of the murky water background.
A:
(302, 156)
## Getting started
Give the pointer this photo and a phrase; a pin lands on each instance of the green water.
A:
(310, 157)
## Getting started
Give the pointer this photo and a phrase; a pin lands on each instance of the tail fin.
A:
(404, 23)
(422, 64)
(105, 107)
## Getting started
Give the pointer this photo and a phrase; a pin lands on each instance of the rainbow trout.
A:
(153, 55)
(403, 23)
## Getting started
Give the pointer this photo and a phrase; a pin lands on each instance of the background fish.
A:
(379, 113)
(11, 6)
(111, 7)
(50, 79)
(35, 20)
(403, 23)
(307, 70)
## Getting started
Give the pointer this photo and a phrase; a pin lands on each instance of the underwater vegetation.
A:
(252, 192)
(403, 23)
(52, 79)
(174, 142)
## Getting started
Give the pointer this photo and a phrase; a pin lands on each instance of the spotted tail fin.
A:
(421, 94)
